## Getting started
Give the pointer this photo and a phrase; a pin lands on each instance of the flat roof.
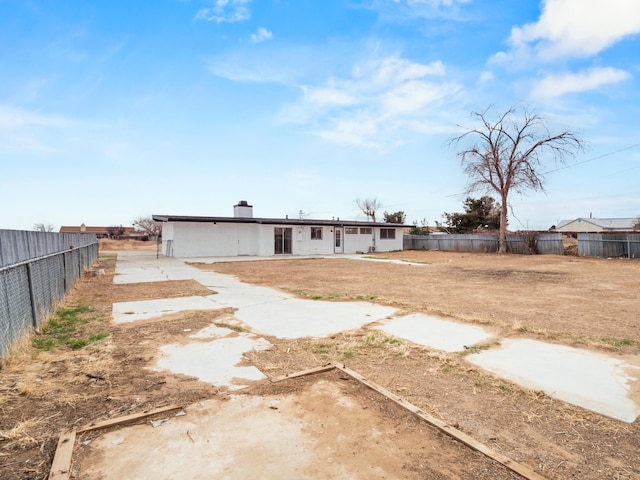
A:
(276, 221)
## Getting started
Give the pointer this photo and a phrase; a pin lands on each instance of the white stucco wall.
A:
(167, 232)
(304, 245)
(357, 242)
(580, 225)
(201, 239)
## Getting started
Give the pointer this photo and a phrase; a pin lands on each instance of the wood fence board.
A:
(61, 466)
(127, 418)
(521, 469)
(302, 373)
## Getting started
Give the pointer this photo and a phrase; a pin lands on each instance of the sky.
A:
(115, 110)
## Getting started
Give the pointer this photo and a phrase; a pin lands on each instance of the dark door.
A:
(282, 237)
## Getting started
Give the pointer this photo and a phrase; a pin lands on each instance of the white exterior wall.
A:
(265, 240)
(580, 225)
(363, 242)
(167, 233)
(167, 239)
(357, 242)
(391, 244)
(304, 245)
(202, 239)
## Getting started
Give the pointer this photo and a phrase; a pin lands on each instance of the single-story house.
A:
(100, 232)
(244, 234)
(596, 225)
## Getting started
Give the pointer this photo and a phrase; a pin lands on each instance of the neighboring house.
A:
(101, 232)
(242, 234)
(596, 225)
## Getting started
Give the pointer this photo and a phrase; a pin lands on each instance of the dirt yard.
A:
(588, 303)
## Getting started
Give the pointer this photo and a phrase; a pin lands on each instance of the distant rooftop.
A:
(608, 224)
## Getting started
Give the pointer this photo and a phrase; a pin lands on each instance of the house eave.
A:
(276, 221)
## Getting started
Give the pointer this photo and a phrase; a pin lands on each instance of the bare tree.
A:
(507, 154)
(148, 225)
(41, 227)
(115, 231)
(636, 225)
(369, 206)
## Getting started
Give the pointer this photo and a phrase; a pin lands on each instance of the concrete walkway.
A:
(593, 381)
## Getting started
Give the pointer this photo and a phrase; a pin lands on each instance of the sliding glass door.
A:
(282, 238)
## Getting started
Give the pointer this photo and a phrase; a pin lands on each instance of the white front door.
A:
(338, 246)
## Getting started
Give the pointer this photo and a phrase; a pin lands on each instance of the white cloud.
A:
(225, 11)
(432, 3)
(394, 69)
(261, 35)
(328, 97)
(560, 84)
(11, 118)
(359, 131)
(260, 72)
(486, 76)
(27, 130)
(381, 98)
(284, 66)
(401, 10)
(413, 97)
(573, 28)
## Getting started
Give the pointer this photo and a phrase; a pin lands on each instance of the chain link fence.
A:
(31, 289)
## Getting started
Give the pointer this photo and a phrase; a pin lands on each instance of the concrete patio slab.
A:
(298, 318)
(597, 382)
(214, 440)
(593, 381)
(435, 333)
(146, 309)
(320, 432)
(264, 310)
(216, 361)
(139, 267)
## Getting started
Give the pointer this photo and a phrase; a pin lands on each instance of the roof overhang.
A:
(276, 221)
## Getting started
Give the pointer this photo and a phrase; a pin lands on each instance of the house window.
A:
(387, 233)
(316, 233)
(365, 230)
(351, 230)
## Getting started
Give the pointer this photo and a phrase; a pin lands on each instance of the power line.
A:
(570, 166)
(592, 159)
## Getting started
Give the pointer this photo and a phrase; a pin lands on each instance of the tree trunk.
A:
(502, 237)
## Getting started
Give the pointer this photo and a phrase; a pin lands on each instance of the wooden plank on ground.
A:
(127, 418)
(302, 373)
(61, 466)
(519, 468)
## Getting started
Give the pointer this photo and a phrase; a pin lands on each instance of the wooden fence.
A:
(523, 243)
(609, 245)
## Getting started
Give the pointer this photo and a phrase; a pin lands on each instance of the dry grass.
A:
(110, 244)
(23, 434)
(577, 299)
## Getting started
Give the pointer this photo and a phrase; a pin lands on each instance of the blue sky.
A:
(112, 110)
